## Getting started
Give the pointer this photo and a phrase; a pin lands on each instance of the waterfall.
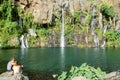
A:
(20, 22)
(62, 39)
(86, 39)
(24, 42)
(105, 29)
(93, 20)
(100, 21)
(65, 5)
(75, 39)
(51, 39)
(96, 40)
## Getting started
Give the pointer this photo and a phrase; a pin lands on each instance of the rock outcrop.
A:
(9, 76)
(40, 9)
(79, 78)
(112, 76)
(43, 10)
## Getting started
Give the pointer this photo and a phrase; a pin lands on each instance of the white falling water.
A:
(20, 22)
(65, 5)
(24, 42)
(93, 21)
(62, 39)
(96, 40)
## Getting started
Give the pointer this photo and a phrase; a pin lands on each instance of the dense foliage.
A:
(113, 38)
(15, 22)
(84, 70)
(8, 27)
(107, 9)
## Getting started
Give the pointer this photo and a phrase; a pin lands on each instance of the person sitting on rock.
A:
(17, 68)
(10, 64)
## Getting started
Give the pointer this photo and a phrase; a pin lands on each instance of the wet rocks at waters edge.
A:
(8, 76)
(112, 76)
(79, 78)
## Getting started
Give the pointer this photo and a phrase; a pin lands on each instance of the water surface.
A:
(56, 60)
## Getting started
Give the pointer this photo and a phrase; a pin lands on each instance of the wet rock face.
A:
(79, 5)
(40, 9)
(43, 10)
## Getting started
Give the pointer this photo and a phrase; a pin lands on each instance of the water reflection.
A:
(22, 57)
(100, 57)
(62, 58)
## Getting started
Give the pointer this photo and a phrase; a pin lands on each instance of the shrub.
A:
(107, 9)
(112, 37)
(84, 70)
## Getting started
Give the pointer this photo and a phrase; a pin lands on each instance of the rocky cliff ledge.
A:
(43, 10)
(9, 76)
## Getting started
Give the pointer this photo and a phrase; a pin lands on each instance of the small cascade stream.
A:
(51, 39)
(96, 40)
(24, 41)
(20, 22)
(93, 22)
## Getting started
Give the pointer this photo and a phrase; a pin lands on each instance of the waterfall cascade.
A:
(93, 22)
(100, 21)
(86, 39)
(96, 40)
(20, 22)
(62, 38)
(51, 39)
(24, 42)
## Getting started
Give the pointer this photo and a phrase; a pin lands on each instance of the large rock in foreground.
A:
(112, 76)
(9, 76)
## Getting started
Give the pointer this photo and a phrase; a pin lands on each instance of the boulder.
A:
(40, 9)
(32, 32)
(79, 78)
(13, 42)
(112, 76)
(8, 76)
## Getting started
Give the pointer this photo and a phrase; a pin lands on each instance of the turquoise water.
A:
(56, 60)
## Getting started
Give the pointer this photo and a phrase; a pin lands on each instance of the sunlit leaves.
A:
(84, 70)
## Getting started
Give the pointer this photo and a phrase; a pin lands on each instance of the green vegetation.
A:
(107, 9)
(76, 24)
(84, 70)
(8, 27)
(113, 38)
